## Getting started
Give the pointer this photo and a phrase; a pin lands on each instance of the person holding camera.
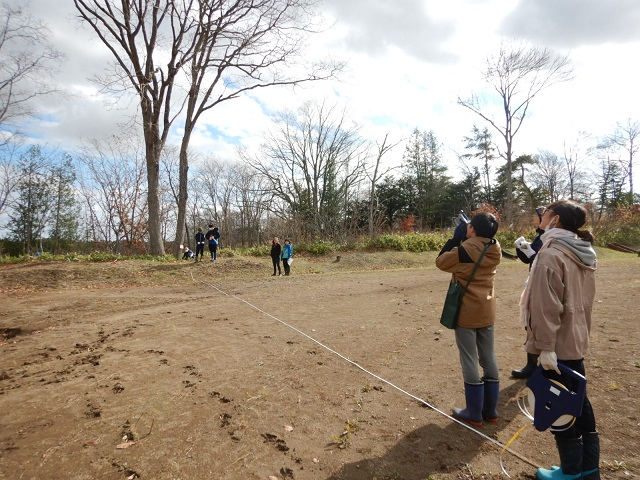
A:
(474, 329)
(527, 253)
(556, 306)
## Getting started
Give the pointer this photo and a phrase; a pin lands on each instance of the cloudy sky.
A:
(409, 61)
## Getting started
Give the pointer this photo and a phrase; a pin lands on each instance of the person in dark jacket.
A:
(527, 253)
(216, 235)
(200, 241)
(474, 330)
(211, 235)
(276, 251)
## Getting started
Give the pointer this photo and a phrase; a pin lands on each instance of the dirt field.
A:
(220, 371)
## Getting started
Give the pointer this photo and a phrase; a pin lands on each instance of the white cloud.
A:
(409, 61)
(574, 23)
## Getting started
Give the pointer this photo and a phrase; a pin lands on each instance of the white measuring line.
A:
(492, 440)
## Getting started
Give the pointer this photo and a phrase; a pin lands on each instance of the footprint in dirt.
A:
(278, 442)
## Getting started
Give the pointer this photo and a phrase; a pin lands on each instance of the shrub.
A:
(319, 247)
(387, 242)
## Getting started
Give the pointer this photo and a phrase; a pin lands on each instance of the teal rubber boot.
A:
(590, 456)
(570, 451)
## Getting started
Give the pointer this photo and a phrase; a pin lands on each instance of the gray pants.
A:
(476, 344)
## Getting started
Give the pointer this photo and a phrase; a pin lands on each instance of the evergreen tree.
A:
(395, 198)
(424, 167)
(33, 201)
(482, 149)
(464, 195)
(64, 208)
(523, 196)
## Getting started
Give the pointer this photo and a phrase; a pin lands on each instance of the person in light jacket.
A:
(287, 252)
(556, 305)
(474, 330)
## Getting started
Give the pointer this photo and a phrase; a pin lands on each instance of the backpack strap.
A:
(477, 264)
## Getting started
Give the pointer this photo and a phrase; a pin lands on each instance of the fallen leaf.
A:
(125, 445)
(272, 477)
(288, 428)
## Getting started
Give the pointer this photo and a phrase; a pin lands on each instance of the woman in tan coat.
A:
(474, 329)
(556, 305)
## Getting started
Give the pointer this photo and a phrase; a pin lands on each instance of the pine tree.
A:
(64, 208)
(33, 202)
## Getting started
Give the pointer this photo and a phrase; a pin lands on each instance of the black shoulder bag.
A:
(453, 300)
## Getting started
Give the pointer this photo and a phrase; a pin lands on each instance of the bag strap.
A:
(475, 267)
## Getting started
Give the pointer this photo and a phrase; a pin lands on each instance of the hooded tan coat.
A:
(479, 302)
(562, 293)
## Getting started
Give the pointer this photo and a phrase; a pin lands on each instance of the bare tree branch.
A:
(517, 74)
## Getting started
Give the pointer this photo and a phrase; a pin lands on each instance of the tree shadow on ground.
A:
(432, 449)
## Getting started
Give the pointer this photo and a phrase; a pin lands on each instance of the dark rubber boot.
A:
(528, 369)
(474, 395)
(570, 451)
(491, 395)
(590, 456)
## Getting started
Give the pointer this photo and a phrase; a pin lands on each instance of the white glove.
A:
(524, 247)
(549, 361)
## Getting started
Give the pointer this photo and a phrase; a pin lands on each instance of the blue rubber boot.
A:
(590, 456)
(570, 451)
(474, 396)
(491, 394)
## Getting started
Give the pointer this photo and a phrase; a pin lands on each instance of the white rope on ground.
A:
(505, 448)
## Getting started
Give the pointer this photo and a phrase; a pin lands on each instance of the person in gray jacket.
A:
(556, 304)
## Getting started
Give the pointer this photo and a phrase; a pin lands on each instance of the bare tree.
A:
(374, 174)
(252, 198)
(573, 158)
(626, 137)
(27, 63)
(216, 181)
(518, 73)
(114, 190)
(549, 176)
(183, 57)
(311, 163)
(9, 173)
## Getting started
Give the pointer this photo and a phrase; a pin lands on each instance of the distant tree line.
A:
(316, 175)
(312, 179)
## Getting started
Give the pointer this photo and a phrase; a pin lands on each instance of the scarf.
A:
(546, 237)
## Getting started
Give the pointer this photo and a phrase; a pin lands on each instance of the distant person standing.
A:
(216, 235)
(200, 239)
(213, 242)
(287, 252)
(276, 251)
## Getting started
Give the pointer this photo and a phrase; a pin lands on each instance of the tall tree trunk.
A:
(153, 148)
(183, 194)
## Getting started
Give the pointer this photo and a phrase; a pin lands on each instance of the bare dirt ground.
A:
(220, 371)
